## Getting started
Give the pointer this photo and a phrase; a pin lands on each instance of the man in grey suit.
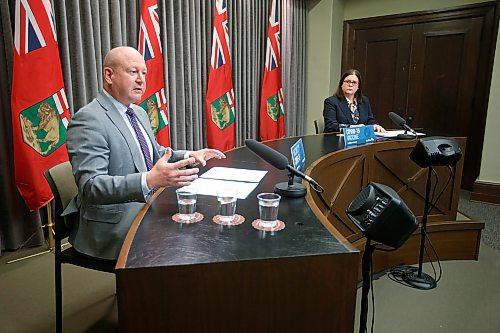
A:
(116, 160)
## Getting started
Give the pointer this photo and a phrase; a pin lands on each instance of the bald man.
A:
(116, 160)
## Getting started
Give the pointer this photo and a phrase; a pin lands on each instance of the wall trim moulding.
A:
(486, 192)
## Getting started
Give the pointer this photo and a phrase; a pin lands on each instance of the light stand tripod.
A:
(383, 217)
(422, 280)
(366, 265)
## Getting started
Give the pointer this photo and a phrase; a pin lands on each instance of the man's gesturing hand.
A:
(203, 155)
(165, 174)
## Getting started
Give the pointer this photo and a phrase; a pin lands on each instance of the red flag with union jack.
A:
(154, 99)
(220, 93)
(272, 119)
(40, 112)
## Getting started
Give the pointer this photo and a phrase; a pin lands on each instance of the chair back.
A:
(63, 186)
(319, 125)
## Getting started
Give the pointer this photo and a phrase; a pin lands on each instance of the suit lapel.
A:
(117, 119)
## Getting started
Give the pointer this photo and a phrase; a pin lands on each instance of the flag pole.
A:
(50, 226)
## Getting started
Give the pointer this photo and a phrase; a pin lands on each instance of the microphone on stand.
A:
(280, 161)
(398, 120)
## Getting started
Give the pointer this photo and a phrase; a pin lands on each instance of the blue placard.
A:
(359, 135)
(298, 155)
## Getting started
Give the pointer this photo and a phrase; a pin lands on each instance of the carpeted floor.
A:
(487, 213)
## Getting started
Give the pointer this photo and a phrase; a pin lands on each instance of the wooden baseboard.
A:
(486, 192)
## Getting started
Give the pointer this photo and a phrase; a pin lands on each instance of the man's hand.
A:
(165, 174)
(203, 155)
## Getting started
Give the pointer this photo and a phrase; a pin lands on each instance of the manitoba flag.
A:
(154, 100)
(40, 111)
(220, 93)
(272, 119)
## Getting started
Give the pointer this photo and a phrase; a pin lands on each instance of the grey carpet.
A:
(487, 213)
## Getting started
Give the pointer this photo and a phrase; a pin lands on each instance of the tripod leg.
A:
(366, 264)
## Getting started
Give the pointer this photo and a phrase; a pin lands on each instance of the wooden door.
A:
(442, 82)
(382, 55)
(433, 68)
(443, 75)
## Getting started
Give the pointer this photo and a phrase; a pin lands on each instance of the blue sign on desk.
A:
(298, 155)
(359, 135)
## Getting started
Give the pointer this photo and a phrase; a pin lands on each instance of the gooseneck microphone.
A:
(280, 161)
(398, 120)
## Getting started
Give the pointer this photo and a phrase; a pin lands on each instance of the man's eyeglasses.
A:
(349, 82)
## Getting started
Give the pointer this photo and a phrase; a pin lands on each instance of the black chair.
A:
(63, 186)
(319, 126)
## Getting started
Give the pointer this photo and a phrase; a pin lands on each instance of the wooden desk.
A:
(208, 278)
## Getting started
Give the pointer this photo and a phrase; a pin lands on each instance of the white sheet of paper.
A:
(393, 134)
(241, 175)
(207, 186)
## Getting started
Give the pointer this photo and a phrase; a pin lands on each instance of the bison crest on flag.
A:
(274, 106)
(156, 107)
(42, 127)
(222, 111)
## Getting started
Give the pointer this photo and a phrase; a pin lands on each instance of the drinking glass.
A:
(268, 209)
(227, 204)
(186, 200)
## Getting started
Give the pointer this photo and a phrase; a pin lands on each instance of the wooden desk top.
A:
(157, 241)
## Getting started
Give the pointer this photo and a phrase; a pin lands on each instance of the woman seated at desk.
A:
(348, 107)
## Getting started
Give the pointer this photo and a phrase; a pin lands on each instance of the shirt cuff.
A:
(144, 184)
(186, 154)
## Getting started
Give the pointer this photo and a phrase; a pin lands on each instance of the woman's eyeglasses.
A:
(353, 83)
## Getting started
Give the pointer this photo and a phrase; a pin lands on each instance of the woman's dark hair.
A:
(359, 94)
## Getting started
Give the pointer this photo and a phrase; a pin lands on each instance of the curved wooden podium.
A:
(343, 174)
(209, 278)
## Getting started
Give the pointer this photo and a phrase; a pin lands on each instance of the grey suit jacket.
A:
(107, 166)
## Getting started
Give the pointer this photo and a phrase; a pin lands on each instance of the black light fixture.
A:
(382, 216)
(429, 152)
(436, 150)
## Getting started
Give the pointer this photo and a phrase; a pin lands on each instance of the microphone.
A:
(280, 161)
(398, 120)
(271, 156)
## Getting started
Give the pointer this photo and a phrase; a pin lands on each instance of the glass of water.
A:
(227, 204)
(268, 209)
(186, 200)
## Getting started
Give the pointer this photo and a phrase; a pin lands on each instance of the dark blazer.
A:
(336, 114)
(107, 167)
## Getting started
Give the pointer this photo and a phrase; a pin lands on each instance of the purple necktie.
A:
(142, 141)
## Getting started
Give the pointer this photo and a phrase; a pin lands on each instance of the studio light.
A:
(382, 216)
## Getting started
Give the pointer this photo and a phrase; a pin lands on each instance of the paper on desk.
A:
(240, 175)
(242, 180)
(393, 134)
(208, 186)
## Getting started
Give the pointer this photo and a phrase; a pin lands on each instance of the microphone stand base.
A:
(405, 137)
(422, 281)
(294, 190)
